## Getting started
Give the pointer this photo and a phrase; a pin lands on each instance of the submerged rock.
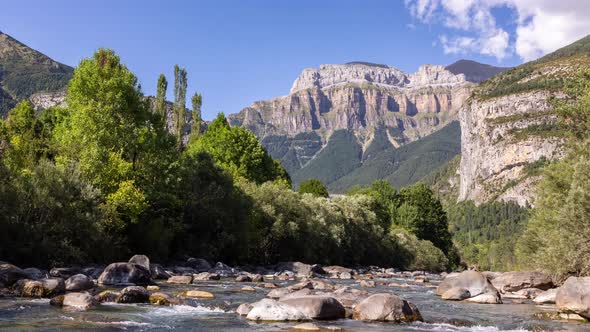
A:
(124, 273)
(386, 307)
(271, 310)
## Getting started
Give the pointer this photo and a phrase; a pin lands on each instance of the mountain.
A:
(509, 130)
(474, 71)
(340, 117)
(25, 72)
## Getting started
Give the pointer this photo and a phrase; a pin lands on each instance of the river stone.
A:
(547, 297)
(197, 294)
(529, 293)
(133, 294)
(475, 282)
(53, 286)
(29, 288)
(367, 283)
(79, 282)
(305, 327)
(300, 269)
(34, 273)
(515, 281)
(141, 260)
(158, 272)
(301, 285)
(199, 264)
(271, 310)
(299, 293)
(9, 274)
(386, 307)
(183, 280)
(107, 296)
(93, 272)
(257, 278)
(223, 270)
(206, 276)
(64, 272)
(322, 285)
(159, 298)
(248, 289)
(243, 278)
(244, 309)
(574, 296)
(278, 292)
(486, 298)
(124, 273)
(317, 306)
(456, 294)
(79, 301)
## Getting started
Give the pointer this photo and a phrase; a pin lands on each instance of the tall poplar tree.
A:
(180, 83)
(197, 102)
(160, 106)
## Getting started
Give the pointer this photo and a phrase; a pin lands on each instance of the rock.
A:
(199, 264)
(486, 298)
(305, 327)
(107, 296)
(317, 306)
(299, 293)
(345, 275)
(529, 293)
(386, 307)
(158, 272)
(34, 273)
(185, 271)
(9, 274)
(78, 282)
(64, 272)
(93, 272)
(248, 289)
(257, 278)
(153, 288)
(183, 280)
(547, 297)
(270, 285)
(133, 294)
(244, 309)
(57, 301)
(475, 282)
(243, 278)
(197, 294)
(301, 285)
(491, 275)
(53, 286)
(456, 294)
(301, 269)
(271, 310)
(29, 288)
(277, 293)
(124, 273)
(367, 283)
(141, 260)
(223, 270)
(574, 296)
(515, 281)
(322, 285)
(206, 276)
(159, 298)
(79, 301)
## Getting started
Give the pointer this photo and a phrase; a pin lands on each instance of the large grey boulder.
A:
(158, 272)
(473, 281)
(79, 301)
(271, 310)
(547, 297)
(386, 307)
(574, 296)
(79, 282)
(141, 260)
(53, 286)
(456, 294)
(9, 274)
(317, 306)
(124, 274)
(515, 281)
(34, 273)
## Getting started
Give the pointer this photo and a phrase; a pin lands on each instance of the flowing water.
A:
(218, 314)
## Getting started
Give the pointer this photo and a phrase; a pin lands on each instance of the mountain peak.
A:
(474, 71)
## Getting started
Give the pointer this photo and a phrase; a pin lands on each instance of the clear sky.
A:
(237, 52)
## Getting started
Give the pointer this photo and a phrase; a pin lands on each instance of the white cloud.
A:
(542, 26)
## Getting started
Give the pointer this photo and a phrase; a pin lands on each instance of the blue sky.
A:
(237, 52)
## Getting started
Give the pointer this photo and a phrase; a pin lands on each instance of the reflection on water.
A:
(218, 314)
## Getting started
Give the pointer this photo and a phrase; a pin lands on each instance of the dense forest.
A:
(107, 176)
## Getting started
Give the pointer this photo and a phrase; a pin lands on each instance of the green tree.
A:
(197, 121)
(180, 83)
(160, 106)
(314, 187)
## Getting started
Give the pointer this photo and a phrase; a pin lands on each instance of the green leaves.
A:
(314, 187)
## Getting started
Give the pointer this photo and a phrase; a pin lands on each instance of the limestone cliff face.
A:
(360, 98)
(500, 139)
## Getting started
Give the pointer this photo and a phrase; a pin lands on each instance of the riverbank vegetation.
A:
(106, 176)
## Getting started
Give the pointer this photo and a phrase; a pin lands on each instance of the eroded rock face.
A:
(498, 141)
(574, 296)
(386, 307)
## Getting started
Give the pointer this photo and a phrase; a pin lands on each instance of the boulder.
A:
(257, 278)
(278, 292)
(153, 287)
(133, 294)
(223, 270)
(141, 260)
(317, 306)
(529, 293)
(206, 276)
(515, 281)
(547, 297)
(248, 289)
(322, 285)
(197, 294)
(29, 288)
(244, 309)
(182, 270)
(243, 278)
(79, 301)
(367, 283)
(9, 274)
(473, 281)
(124, 274)
(301, 269)
(34, 273)
(199, 264)
(183, 280)
(299, 293)
(93, 272)
(158, 272)
(574, 296)
(78, 282)
(491, 275)
(159, 298)
(456, 294)
(301, 285)
(271, 310)
(486, 298)
(53, 286)
(386, 307)
(64, 272)
(107, 296)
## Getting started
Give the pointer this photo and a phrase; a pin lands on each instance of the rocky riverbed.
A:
(197, 295)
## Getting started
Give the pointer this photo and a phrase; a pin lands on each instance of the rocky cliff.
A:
(509, 129)
(360, 98)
